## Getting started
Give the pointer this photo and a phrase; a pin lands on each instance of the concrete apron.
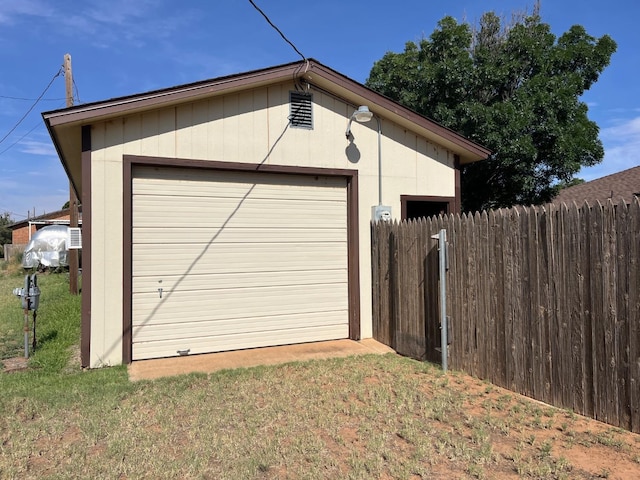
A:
(211, 362)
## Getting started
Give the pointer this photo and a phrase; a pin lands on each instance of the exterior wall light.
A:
(362, 115)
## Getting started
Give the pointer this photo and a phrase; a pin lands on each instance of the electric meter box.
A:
(30, 294)
(381, 213)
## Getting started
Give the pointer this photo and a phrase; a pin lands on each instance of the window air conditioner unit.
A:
(74, 239)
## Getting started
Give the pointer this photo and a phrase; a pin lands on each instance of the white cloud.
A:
(40, 183)
(622, 131)
(38, 148)
(10, 10)
(622, 149)
(134, 23)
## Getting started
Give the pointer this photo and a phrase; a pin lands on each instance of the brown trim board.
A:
(85, 322)
(353, 246)
(451, 201)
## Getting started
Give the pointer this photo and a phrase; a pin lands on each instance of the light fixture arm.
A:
(348, 132)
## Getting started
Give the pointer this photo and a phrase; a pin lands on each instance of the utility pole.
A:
(73, 198)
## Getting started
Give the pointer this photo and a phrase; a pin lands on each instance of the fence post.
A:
(442, 267)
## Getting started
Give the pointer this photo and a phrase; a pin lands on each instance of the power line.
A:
(13, 214)
(75, 86)
(277, 30)
(31, 99)
(38, 124)
(22, 137)
(31, 108)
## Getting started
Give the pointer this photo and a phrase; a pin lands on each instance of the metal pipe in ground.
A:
(442, 251)
(26, 331)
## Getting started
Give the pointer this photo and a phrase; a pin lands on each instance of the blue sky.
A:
(123, 47)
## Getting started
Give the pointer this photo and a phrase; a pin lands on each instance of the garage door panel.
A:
(168, 314)
(188, 212)
(191, 259)
(269, 234)
(236, 303)
(243, 260)
(232, 184)
(212, 282)
(235, 193)
(170, 347)
(190, 328)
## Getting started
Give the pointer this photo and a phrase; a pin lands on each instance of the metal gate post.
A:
(443, 267)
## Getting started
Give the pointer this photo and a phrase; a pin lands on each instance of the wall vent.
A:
(74, 240)
(301, 112)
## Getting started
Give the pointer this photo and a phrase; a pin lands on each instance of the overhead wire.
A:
(14, 214)
(38, 124)
(31, 99)
(296, 73)
(75, 87)
(277, 30)
(21, 138)
(32, 106)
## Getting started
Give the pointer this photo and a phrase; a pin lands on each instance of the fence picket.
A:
(634, 315)
(574, 288)
(611, 317)
(623, 240)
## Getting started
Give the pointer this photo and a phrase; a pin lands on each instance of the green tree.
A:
(514, 88)
(5, 232)
(571, 183)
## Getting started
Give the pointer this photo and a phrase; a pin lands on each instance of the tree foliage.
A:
(513, 87)
(5, 232)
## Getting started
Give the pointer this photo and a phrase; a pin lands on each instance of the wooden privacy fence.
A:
(11, 250)
(542, 300)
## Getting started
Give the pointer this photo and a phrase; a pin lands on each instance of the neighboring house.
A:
(21, 231)
(233, 213)
(622, 185)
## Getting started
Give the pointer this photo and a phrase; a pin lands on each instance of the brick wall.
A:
(21, 235)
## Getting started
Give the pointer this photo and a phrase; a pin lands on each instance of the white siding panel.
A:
(243, 260)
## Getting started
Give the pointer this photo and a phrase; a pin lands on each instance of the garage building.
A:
(234, 213)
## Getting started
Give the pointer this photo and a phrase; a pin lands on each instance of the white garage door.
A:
(230, 260)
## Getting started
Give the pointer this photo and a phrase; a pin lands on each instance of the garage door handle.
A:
(160, 292)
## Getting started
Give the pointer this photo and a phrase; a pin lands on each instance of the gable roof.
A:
(65, 125)
(624, 184)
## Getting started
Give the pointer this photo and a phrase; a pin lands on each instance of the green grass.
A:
(58, 321)
(354, 418)
(11, 316)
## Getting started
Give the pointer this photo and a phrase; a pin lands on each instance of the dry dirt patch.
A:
(15, 364)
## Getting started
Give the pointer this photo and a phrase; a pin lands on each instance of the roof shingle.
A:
(621, 185)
